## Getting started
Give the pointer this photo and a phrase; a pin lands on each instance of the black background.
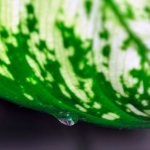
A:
(24, 129)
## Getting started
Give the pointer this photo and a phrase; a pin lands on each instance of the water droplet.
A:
(67, 118)
(67, 122)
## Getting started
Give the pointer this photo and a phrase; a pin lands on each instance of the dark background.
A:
(24, 129)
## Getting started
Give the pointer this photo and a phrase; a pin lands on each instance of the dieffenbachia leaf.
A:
(78, 59)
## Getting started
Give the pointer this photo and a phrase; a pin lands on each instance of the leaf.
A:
(89, 59)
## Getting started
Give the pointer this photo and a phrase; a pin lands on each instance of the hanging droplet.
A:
(68, 119)
(67, 122)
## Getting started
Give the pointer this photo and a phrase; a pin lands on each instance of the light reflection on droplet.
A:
(67, 122)
(67, 118)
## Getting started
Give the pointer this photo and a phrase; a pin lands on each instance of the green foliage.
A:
(78, 60)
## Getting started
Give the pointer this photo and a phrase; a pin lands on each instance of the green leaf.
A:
(83, 60)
